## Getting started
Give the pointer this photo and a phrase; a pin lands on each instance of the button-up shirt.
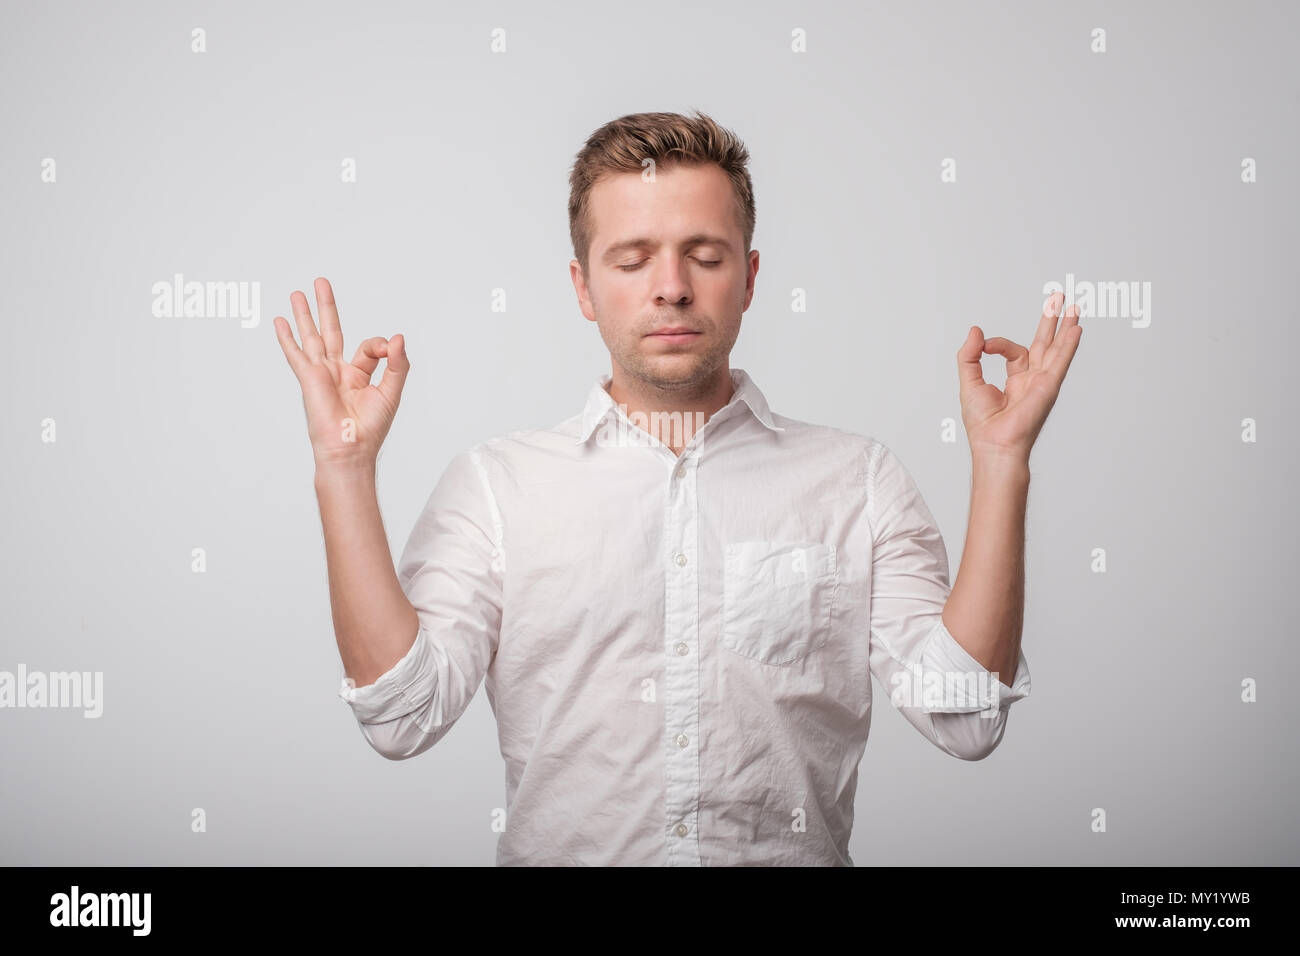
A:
(679, 650)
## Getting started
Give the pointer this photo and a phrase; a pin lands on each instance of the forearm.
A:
(985, 610)
(374, 623)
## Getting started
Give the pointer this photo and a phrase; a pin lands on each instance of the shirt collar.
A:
(600, 403)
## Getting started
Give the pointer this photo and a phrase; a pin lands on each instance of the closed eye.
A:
(707, 263)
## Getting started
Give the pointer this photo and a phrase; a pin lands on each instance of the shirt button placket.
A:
(682, 675)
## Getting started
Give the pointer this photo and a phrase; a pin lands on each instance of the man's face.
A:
(667, 254)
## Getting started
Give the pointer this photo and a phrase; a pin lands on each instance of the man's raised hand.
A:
(1007, 421)
(347, 417)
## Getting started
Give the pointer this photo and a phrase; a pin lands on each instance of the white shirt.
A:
(679, 651)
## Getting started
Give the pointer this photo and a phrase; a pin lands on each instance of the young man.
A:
(676, 598)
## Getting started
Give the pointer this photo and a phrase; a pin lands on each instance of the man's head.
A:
(661, 213)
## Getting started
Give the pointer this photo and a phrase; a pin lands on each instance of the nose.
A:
(671, 284)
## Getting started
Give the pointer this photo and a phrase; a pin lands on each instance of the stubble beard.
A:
(673, 373)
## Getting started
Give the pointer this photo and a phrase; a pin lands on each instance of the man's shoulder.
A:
(856, 455)
(794, 429)
(560, 435)
(516, 451)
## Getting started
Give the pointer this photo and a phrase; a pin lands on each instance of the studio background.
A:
(220, 688)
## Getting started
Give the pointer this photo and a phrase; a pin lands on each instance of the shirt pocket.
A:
(777, 599)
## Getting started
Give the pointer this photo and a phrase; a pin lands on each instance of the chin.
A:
(676, 370)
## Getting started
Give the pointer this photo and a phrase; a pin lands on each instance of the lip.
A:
(673, 333)
(674, 338)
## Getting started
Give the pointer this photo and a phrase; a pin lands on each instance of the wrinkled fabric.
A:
(679, 651)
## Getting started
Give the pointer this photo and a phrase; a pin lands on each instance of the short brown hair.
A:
(668, 138)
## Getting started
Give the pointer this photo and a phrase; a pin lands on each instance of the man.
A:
(676, 598)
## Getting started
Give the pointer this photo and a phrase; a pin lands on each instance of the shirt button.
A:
(681, 829)
(682, 740)
(681, 560)
(681, 471)
(682, 649)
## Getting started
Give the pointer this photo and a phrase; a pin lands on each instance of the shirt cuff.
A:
(963, 684)
(395, 692)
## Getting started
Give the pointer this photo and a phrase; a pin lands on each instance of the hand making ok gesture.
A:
(1006, 422)
(347, 417)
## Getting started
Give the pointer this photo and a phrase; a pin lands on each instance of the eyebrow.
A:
(642, 242)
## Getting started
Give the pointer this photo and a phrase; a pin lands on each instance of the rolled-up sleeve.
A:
(941, 690)
(451, 571)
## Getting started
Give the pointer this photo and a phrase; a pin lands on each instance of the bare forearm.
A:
(985, 611)
(374, 623)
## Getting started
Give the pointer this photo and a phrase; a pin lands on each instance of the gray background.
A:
(181, 433)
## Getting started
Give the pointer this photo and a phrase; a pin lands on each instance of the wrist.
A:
(345, 473)
(1000, 464)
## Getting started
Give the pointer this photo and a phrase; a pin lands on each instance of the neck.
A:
(671, 415)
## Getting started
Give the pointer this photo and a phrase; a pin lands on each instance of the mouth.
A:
(674, 334)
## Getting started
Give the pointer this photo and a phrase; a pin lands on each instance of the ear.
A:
(751, 273)
(580, 287)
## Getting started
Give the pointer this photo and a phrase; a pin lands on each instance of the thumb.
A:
(395, 368)
(969, 369)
